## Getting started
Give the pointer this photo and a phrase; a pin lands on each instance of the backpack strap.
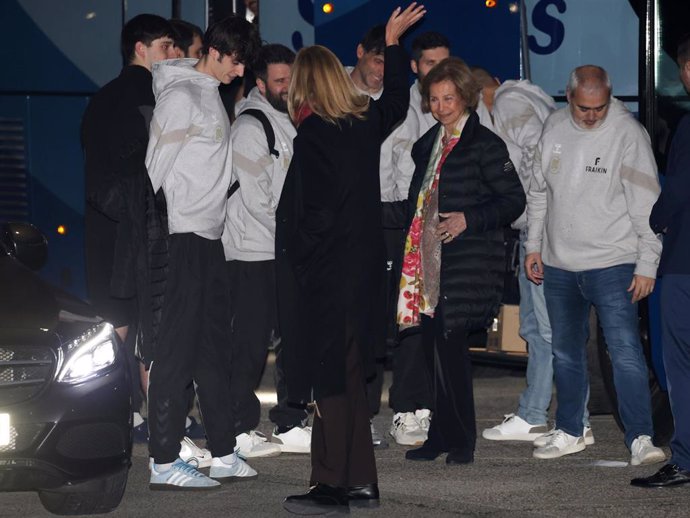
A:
(270, 139)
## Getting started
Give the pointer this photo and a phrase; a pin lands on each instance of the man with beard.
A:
(261, 156)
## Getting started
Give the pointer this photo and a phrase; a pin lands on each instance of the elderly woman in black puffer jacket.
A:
(463, 193)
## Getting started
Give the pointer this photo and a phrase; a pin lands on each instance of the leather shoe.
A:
(424, 452)
(320, 499)
(669, 475)
(364, 496)
(459, 457)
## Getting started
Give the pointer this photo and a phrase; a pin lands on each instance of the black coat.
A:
(671, 212)
(330, 257)
(478, 179)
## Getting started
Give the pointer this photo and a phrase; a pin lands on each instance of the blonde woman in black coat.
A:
(331, 264)
(463, 192)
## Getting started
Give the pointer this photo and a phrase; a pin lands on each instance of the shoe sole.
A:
(409, 443)
(286, 448)
(576, 448)
(517, 437)
(257, 456)
(170, 487)
(650, 459)
(365, 503)
(589, 441)
(312, 510)
(230, 480)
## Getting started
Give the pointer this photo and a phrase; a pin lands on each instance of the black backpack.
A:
(270, 139)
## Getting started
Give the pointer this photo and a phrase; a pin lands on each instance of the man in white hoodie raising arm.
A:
(189, 157)
(589, 241)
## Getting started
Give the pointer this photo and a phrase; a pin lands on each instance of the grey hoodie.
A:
(250, 224)
(591, 194)
(189, 152)
(520, 109)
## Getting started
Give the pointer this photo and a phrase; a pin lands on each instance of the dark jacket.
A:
(671, 212)
(330, 257)
(478, 179)
(126, 227)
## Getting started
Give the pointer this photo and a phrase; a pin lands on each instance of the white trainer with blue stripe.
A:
(180, 477)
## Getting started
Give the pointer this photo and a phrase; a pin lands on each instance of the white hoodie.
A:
(250, 224)
(591, 194)
(396, 166)
(189, 153)
(520, 109)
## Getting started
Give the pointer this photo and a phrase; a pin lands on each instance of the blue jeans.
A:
(535, 329)
(569, 296)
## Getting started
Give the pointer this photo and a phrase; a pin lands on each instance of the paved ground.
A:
(504, 480)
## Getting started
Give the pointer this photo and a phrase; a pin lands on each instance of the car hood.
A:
(29, 304)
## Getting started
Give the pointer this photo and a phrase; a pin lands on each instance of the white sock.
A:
(162, 468)
(225, 459)
(187, 422)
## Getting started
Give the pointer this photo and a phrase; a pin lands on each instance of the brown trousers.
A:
(342, 454)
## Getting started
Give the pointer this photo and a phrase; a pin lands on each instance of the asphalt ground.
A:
(504, 481)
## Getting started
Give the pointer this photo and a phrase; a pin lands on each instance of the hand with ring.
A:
(452, 225)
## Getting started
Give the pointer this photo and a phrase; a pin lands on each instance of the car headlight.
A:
(89, 355)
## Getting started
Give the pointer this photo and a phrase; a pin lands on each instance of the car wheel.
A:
(661, 408)
(92, 497)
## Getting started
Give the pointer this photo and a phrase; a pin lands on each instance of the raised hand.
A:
(401, 20)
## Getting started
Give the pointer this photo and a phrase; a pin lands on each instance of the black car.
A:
(65, 406)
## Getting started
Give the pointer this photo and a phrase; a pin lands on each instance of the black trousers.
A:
(252, 289)
(411, 388)
(193, 336)
(453, 426)
(342, 453)
(394, 240)
(282, 414)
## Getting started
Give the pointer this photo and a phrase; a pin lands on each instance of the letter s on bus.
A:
(549, 25)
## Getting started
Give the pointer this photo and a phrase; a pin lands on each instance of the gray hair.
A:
(589, 76)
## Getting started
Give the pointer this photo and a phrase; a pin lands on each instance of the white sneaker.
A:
(514, 428)
(296, 440)
(235, 470)
(423, 415)
(254, 444)
(191, 454)
(643, 451)
(560, 444)
(406, 429)
(543, 439)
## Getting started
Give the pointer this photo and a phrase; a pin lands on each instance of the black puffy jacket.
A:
(478, 179)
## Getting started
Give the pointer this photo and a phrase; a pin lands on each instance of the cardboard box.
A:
(503, 334)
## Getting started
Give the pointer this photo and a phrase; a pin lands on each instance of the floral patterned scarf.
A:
(419, 284)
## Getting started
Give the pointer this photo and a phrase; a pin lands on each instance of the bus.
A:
(57, 54)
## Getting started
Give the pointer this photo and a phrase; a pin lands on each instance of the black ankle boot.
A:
(456, 456)
(424, 452)
(320, 499)
(364, 496)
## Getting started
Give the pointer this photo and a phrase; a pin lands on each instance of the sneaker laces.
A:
(559, 439)
(640, 444)
(507, 417)
(409, 422)
(187, 469)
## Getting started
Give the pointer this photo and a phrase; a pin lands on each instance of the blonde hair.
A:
(320, 81)
(457, 72)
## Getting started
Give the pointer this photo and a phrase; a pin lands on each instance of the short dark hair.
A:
(426, 41)
(184, 34)
(144, 28)
(374, 40)
(233, 36)
(683, 54)
(272, 54)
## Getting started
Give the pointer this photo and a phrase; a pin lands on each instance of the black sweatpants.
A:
(193, 336)
(342, 453)
(453, 426)
(411, 388)
(252, 292)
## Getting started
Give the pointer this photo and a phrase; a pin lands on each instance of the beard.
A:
(277, 101)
